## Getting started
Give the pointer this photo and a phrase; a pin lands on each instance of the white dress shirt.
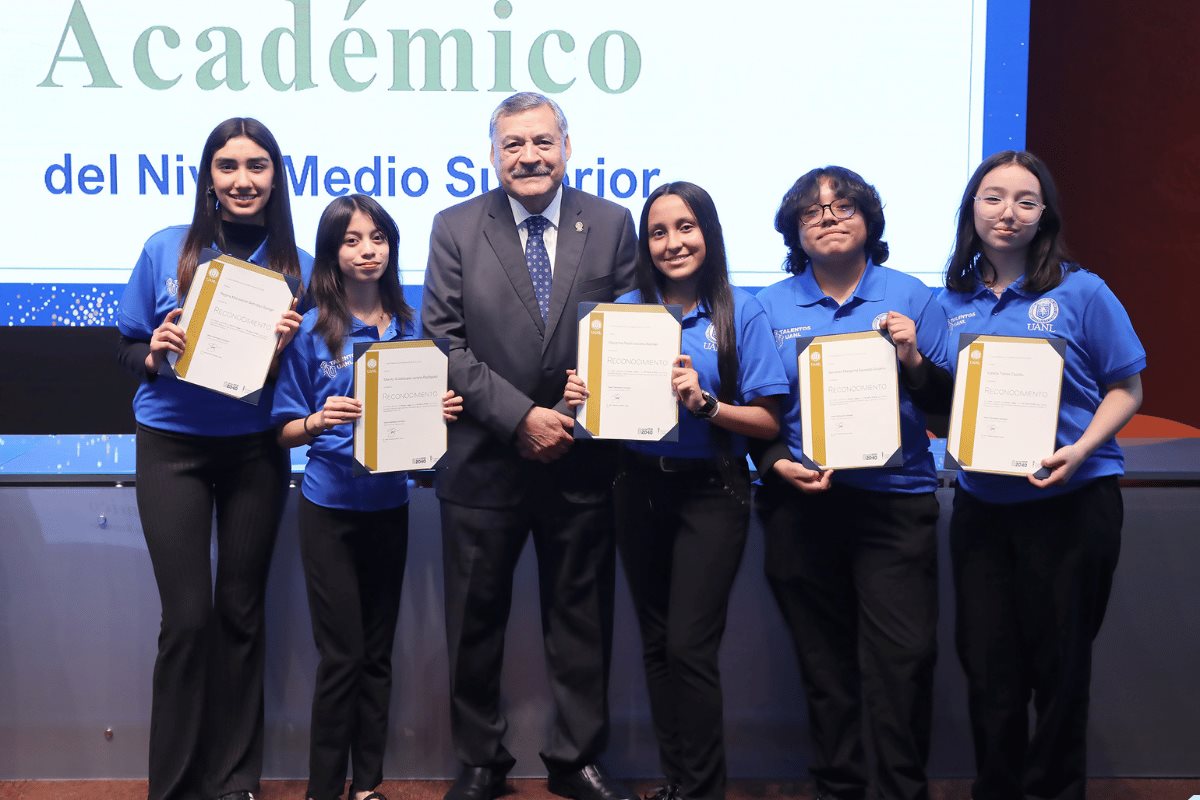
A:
(550, 235)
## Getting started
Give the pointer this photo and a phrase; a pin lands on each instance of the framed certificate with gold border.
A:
(1007, 391)
(229, 316)
(626, 352)
(400, 385)
(849, 388)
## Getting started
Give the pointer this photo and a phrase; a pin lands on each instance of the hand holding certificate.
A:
(400, 385)
(1006, 396)
(229, 317)
(626, 352)
(849, 401)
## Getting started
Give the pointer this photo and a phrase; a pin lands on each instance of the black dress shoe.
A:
(477, 783)
(588, 783)
(237, 796)
(669, 791)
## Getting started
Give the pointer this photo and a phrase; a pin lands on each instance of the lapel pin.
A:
(579, 227)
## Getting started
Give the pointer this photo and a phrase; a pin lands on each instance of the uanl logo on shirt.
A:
(1042, 312)
(710, 336)
(787, 334)
(880, 322)
(329, 368)
(172, 287)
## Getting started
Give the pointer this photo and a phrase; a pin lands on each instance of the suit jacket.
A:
(503, 359)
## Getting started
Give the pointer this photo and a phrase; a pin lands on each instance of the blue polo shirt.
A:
(309, 374)
(1102, 349)
(164, 402)
(759, 373)
(796, 308)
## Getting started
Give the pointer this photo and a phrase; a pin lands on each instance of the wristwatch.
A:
(708, 409)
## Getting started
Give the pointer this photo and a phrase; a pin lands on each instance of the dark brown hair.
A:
(845, 183)
(206, 218)
(328, 293)
(1047, 255)
(713, 284)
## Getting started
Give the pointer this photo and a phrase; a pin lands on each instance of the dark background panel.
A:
(1114, 109)
(63, 380)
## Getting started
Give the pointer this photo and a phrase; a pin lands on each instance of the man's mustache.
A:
(535, 172)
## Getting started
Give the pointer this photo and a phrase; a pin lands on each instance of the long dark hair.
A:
(206, 218)
(713, 283)
(328, 293)
(1047, 252)
(846, 183)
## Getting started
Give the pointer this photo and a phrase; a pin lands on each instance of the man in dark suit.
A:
(507, 271)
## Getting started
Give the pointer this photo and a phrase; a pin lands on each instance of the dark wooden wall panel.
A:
(1114, 108)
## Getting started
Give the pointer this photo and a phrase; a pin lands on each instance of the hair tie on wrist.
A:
(306, 430)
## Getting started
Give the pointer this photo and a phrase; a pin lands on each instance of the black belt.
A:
(669, 464)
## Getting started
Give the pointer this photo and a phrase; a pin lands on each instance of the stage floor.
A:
(535, 789)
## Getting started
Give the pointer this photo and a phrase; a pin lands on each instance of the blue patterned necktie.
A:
(538, 261)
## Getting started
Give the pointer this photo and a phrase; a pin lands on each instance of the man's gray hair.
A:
(524, 101)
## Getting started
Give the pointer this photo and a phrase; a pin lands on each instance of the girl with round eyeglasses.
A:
(1033, 557)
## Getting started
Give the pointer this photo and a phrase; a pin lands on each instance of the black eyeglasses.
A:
(842, 208)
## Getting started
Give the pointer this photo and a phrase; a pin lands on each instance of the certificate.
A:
(849, 401)
(229, 316)
(1005, 412)
(400, 386)
(626, 352)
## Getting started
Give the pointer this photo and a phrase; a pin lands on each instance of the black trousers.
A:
(353, 570)
(681, 536)
(576, 566)
(855, 575)
(206, 726)
(1032, 582)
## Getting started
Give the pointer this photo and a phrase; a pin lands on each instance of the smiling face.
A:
(242, 177)
(676, 242)
(364, 253)
(530, 155)
(830, 239)
(1004, 233)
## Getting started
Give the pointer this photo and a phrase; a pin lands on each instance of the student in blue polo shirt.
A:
(682, 508)
(1033, 558)
(200, 452)
(353, 529)
(852, 556)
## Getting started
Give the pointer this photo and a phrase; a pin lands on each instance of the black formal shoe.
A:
(477, 783)
(669, 791)
(588, 783)
(237, 796)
